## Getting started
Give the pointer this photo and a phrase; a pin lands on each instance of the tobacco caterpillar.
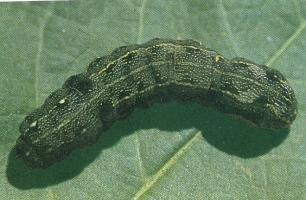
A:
(160, 70)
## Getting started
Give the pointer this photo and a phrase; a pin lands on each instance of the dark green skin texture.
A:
(160, 70)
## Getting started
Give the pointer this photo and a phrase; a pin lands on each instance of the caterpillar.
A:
(160, 70)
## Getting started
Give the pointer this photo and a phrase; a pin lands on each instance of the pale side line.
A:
(141, 16)
(166, 167)
(142, 171)
(39, 51)
(287, 43)
(231, 37)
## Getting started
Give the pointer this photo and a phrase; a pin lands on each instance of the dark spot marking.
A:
(80, 83)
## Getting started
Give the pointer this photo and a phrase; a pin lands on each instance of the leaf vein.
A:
(290, 40)
(161, 172)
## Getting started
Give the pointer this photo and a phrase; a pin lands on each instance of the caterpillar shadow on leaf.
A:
(178, 120)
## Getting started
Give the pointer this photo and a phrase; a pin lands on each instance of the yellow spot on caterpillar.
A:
(217, 58)
(62, 100)
(33, 124)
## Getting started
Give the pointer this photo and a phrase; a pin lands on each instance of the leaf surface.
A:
(168, 151)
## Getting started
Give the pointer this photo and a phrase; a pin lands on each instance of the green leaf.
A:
(169, 151)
